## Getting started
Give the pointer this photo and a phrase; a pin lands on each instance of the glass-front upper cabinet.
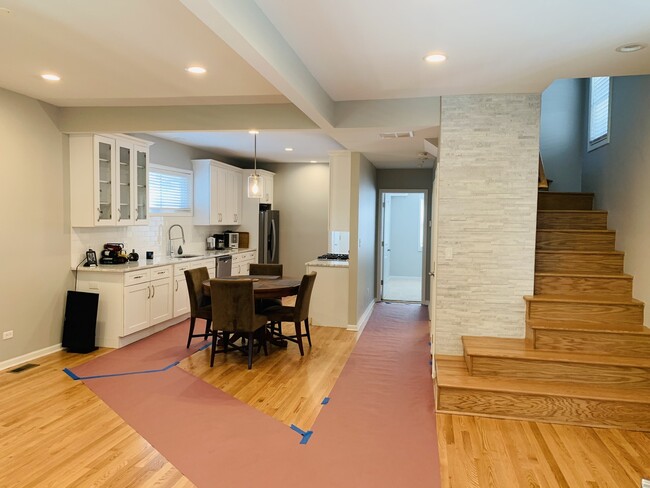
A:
(108, 180)
(141, 190)
(105, 176)
(125, 194)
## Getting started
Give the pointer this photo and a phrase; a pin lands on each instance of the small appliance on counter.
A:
(220, 242)
(231, 240)
(211, 244)
(113, 253)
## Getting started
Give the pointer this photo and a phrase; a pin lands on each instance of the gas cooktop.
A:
(332, 256)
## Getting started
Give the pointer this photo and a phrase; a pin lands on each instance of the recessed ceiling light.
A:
(630, 48)
(197, 70)
(51, 77)
(313, 161)
(253, 131)
(288, 149)
(435, 58)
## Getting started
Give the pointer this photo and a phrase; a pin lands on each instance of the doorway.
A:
(402, 245)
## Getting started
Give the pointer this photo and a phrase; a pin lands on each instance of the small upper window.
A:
(170, 190)
(600, 90)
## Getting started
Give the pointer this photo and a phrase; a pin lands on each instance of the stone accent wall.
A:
(487, 206)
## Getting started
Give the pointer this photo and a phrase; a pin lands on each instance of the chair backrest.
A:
(195, 278)
(233, 305)
(301, 311)
(265, 269)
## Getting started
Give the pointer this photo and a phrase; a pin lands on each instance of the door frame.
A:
(380, 229)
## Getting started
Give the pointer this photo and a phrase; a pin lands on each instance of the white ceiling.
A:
(353, 67)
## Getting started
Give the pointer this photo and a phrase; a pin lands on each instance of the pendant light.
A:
(255, 181)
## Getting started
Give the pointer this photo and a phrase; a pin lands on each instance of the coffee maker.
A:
(219, 241)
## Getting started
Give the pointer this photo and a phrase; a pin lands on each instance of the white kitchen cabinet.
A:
(340, 182)
(181, 293)
(241, 263)
(147, 298)
(108, 180)
(217, 193)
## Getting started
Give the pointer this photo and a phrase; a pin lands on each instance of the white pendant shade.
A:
(255, 186)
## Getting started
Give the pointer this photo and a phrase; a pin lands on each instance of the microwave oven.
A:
(231, 240)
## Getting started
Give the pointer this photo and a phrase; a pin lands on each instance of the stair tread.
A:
(590, 298)
(580, 231)
(517, 349)
(627, 329)
(622, 276)
(573, 211)
(569, 251)
(576, 193)
(451, 371)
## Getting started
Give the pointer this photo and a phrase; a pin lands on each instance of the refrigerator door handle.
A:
(274, 243)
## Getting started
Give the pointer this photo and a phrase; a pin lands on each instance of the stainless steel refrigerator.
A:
(269, 236)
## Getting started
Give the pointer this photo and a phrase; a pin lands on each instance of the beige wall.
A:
(619, 172)
(487, 209)
(363, 211)
(300, 193)
(35, 231)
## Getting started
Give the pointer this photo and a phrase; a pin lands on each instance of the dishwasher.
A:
(224, 266)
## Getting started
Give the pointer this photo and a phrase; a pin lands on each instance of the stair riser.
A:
(589, 342)
(588, 374)
(537, 408)
(555, 201)
(579, 263)
(576, 221)
(585, 312)
(559, 240)
(577, 285)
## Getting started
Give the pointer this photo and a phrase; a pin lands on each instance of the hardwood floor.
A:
(54, 432)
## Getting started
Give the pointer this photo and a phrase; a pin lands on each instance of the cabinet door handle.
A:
(119, 214)
(153, 291)
(148, 292)
(137, 217)
(99, 214)
(176, 286)
(235, 217)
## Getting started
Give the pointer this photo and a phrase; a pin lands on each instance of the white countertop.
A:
(329, 263)
(159, 261)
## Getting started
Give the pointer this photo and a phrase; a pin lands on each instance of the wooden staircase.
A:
(586, 356)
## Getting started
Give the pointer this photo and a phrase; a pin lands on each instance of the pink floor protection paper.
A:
(377, 428)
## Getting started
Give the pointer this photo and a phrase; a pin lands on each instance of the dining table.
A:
(265, 286)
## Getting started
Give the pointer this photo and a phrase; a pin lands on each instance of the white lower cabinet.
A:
(147, 298)
(241, 263)
(181, 293)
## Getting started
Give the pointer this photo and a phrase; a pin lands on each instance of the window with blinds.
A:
(599, 108)
(170, 191)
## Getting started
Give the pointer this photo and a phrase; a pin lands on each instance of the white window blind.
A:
(599, 104)
(170, 190)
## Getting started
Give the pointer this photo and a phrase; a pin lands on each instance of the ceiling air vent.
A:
(395, 135)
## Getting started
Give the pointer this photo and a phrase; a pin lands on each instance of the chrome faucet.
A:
(171, 246)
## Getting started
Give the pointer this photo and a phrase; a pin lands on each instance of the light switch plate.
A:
(7, 334)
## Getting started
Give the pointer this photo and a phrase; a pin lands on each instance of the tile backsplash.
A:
(142, 238)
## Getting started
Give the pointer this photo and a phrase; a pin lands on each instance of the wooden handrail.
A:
(542, 181)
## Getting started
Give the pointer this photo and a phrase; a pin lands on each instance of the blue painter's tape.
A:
(70, 374)
(204, 347)
(306, 437)
(325, 401)
(75, 377)
(430, 362)
(298, 429)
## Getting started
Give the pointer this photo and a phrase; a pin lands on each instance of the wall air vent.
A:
(395, 135)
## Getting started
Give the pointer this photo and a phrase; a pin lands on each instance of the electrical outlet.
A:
(7, 335)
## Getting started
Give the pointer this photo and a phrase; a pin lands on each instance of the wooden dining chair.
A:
(233, 312)
(297, 314)
(200, 302)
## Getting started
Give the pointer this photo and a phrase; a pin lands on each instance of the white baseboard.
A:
(359, 326)
(10, 363)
